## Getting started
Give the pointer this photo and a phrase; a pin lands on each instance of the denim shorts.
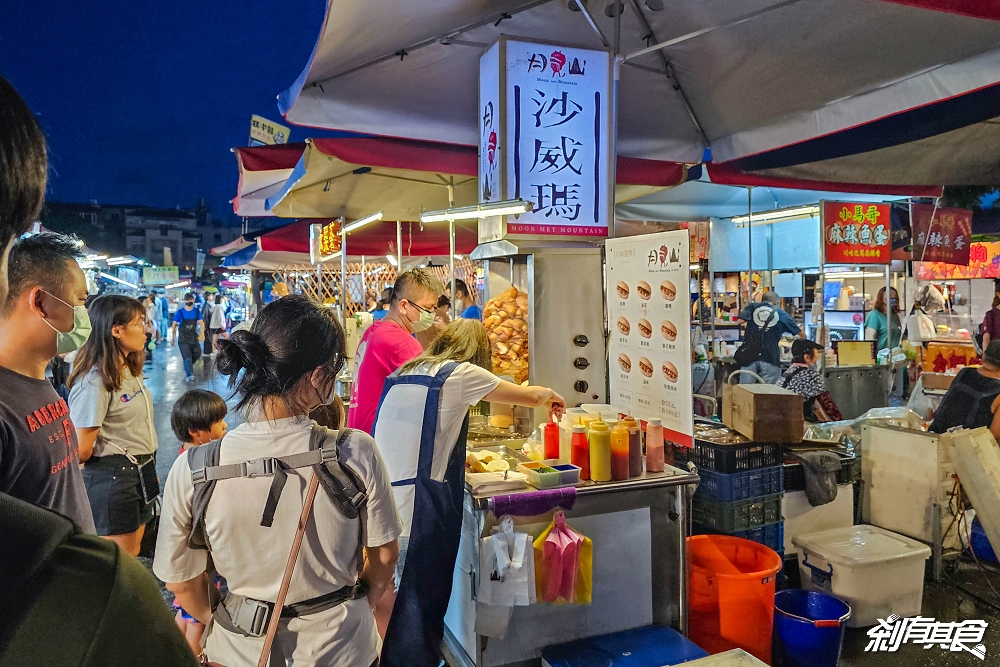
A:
(404, 542)
(115, 496)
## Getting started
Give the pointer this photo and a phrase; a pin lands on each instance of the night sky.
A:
(141, 101)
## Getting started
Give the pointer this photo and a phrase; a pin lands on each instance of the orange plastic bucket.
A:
(731, 594)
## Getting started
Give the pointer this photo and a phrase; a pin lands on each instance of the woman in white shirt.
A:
(284, 366)
(424, 449)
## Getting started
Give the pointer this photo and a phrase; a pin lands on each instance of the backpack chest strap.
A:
(264, 467)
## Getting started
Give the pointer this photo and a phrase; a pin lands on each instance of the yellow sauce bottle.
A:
(600, 451)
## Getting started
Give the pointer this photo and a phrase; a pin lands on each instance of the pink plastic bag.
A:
(561, 552)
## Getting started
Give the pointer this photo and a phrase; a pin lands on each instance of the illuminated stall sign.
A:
(856, 233)
(324, 241)
(946, 239)
(545, 137)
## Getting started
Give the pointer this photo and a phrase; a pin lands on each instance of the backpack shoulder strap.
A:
(199, 460)
(340, 482)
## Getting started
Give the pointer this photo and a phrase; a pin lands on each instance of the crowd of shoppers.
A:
(78, 482)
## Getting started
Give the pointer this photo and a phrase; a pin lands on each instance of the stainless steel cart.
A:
(639, 529)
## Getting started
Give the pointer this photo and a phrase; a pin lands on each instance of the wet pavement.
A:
(165, 380)
(945, 601)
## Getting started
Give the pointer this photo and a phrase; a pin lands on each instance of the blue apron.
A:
(416, 627)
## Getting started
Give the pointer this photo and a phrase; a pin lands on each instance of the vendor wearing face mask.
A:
(882, 326)
(804, 379)
(43, 315)
(389, 343)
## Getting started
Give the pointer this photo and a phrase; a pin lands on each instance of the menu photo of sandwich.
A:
(646, 367)
(668, 290)
(624, 328)
(669, 372)
(668, 330)
(625, 363)
(645, 328)
(643, 290)
(621, 288)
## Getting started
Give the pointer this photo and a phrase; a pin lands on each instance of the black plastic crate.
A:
(727, 487)
(850, 471)
(731, 458)
(736, 516)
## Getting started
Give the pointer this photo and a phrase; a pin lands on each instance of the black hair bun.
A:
(244, 350)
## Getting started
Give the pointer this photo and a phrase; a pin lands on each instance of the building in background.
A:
(142, 231)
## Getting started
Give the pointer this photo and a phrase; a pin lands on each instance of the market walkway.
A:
(941, 601)
(166, 383)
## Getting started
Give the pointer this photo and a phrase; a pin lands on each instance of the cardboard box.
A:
(763, 412)
(937, 380)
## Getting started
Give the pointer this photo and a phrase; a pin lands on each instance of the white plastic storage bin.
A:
(876, 571)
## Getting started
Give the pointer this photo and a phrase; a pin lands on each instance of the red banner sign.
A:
(947, 238)
(856, 233)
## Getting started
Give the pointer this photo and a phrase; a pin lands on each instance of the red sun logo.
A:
(491, 147)
(557, 61)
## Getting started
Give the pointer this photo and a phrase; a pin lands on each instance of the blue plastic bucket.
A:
(808, 628)
(981, 544)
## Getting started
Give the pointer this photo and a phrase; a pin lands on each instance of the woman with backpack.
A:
(243, 497)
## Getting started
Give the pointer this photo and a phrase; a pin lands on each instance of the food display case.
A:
(558, 341)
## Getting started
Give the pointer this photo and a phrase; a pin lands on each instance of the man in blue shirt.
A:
(770, 322)
(466, 304)
(188, 319)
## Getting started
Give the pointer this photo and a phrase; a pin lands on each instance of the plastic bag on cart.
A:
(847, 433)
(564, 564)
(506, 567)
(920, 403)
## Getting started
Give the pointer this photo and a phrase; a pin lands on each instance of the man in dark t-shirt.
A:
(39, 453)
(770, 322)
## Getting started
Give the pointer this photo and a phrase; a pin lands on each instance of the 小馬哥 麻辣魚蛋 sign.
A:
(856, 233)
(545, 136)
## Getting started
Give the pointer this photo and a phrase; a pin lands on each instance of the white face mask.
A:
(424, 322)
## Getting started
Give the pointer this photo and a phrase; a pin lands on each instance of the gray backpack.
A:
(341, 483)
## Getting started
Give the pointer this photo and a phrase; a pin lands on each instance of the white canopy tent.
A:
(783, 88)
(701, 200)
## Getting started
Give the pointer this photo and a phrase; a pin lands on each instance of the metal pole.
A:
(613, 138)
(364, 284)
(399, 246)
(319, 281)
(819, 289)
(750, 244)
(343, 270)
(888, 324)
(451, 248)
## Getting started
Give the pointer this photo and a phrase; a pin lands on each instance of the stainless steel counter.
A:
(639, 529)
(857, 389)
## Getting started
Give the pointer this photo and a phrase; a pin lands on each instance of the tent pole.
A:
(750, 244)
(343, 270)
(399, 246)
(451, 247)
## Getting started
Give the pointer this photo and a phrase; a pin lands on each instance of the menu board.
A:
(649, 315)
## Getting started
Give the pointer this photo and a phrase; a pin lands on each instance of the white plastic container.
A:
(876, 571)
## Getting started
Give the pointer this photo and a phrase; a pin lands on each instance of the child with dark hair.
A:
(198, 417)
